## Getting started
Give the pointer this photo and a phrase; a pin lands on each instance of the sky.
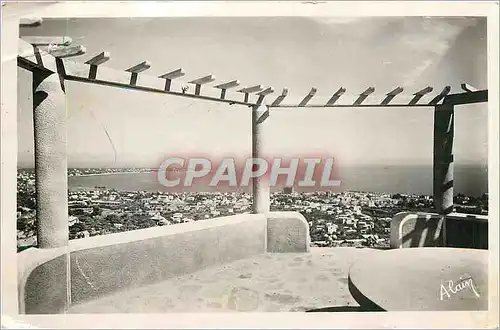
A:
(115, 128)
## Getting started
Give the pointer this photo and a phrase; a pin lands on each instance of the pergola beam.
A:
(248, 90)
(308, 97)
(418, 95)
(136, 69)
(364, 95)
(446, 90)
(45, 41)
(95, 61)
(99, 59)
(262, 94)
(223, 87)
(368, 99)
(467, 98)
(336, 96)
(391, 95)
(468, 88)
(29, 21)
(171, 76)
(201, 81)
(280, 98)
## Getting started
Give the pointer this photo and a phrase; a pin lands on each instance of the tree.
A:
(96, 211)
(113, 218)
(26, 199)
(21, 224)
(73, 230)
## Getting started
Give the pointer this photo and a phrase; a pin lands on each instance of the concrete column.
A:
(443, 158)
(260, 185)
(49, 119)
(443, 161)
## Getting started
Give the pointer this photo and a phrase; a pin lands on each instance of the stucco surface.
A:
(287, 232)
(106, 269)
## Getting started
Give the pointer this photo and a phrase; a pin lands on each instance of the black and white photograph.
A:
(306, 164)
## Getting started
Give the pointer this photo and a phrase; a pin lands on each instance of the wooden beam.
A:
(248, 90)
(173, 74)
(262, 94)
(66, 51)
(266, 91)
(136, 69)
(253, 89)
(45, 41)
(228, 85)
(223, 87)
(336, 96)
(38, 55)
(391, 95)
(468, 88)
(29, 21)
(142, 88)
(446, 90)
(201, 81)
(170, 76)
(420, 94)
(396, 91)
(364, 95)
(374, 101)
(308, 97)
(99, 59)
(143, 66)
(467, 98)
(280, 98)
(95, 61)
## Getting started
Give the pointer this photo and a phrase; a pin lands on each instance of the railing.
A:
(428, 229)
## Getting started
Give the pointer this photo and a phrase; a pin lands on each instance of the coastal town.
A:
(359, 219)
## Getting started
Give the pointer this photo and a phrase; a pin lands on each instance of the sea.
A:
(470, 180)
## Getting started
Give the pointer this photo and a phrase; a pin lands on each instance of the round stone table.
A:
(421, 279)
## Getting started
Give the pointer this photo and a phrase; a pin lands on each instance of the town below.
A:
(336, 219)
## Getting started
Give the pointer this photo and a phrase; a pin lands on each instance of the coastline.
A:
(109, 173)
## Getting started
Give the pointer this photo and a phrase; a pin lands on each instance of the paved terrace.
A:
(269, 282)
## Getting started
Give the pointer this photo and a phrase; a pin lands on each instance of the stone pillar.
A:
(443, 161)
(49, 119)
(260, 185)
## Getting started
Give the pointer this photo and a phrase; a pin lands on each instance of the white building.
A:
(72, 220)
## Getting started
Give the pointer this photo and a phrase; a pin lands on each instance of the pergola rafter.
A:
(252, 95)
(50, 57)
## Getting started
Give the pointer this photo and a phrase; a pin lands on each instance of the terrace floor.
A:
(264, 283)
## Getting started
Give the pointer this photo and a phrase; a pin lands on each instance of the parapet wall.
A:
(428, 230)
(42, 280)
(106, 264)
(287, 232)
